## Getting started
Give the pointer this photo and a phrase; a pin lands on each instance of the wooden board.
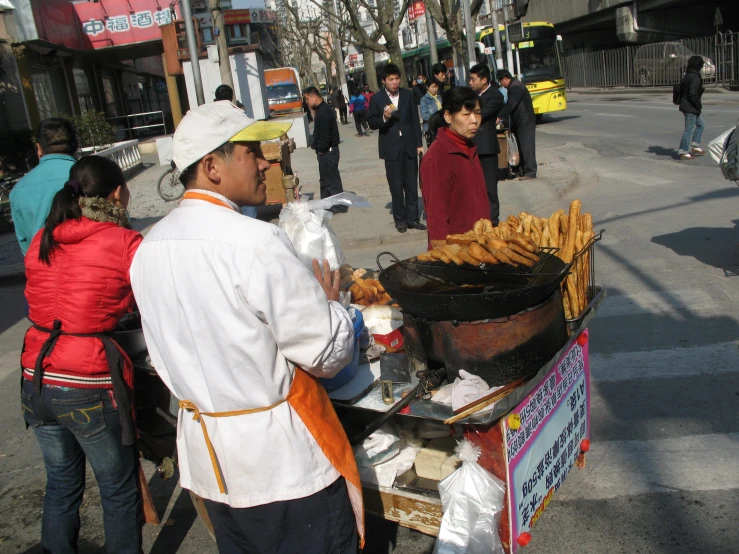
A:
(414, 511)
(503, 156)
(275, 192)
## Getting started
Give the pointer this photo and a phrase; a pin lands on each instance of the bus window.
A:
(538, 60)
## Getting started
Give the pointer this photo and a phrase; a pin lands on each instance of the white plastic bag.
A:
(470, 499)
(513, 156)
(307, 225)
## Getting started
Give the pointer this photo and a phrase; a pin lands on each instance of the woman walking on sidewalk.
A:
(76, 380)
(691, 91)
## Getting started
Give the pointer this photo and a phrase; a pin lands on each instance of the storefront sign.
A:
(543, 437)
(234, 17)
(416, 10)
(56, 22)
(120, 22)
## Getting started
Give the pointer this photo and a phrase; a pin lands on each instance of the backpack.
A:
(677, 93)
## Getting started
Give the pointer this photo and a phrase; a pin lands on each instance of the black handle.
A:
(389, 254)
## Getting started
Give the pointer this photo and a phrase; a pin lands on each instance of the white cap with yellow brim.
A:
(209, 126)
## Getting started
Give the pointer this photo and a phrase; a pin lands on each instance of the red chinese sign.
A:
(118, 22)
(416, 10)
(234, 17)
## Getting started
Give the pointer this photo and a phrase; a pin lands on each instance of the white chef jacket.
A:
(228, 310)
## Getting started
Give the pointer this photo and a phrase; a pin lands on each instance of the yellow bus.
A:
(536, 62)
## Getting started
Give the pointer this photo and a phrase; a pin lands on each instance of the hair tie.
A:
(74, 185)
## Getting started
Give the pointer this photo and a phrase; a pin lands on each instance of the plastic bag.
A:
(724, 150)
(513, 156)
(307, 225)
(470, 499)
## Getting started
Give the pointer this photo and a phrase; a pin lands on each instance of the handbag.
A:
(513, 156)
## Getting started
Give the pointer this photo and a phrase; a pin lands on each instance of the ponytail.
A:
(64, 206)
(92, 177)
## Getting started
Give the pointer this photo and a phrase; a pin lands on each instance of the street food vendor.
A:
(239, 330)
(453, 186)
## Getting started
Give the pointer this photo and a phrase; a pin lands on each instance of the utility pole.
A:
(496, 37)
(431, 34)
(338, 51)
(192, 45)
(224, 63)
(470, 28)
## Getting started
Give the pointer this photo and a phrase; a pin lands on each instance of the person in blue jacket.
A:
(31, 197)
(358, 110)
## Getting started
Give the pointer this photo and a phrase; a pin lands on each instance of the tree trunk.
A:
(370, 70)
(396, 55)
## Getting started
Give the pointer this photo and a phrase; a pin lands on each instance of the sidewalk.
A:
(710, 88)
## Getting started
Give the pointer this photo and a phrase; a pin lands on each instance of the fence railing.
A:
(147, 118)
(660, 63)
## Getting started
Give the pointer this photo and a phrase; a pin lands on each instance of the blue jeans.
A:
(694, 126)
(72, 425)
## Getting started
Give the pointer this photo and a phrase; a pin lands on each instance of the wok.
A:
(441, 292)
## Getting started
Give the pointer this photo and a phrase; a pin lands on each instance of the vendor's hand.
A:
(388, 111)
(421, 150)
(329, 280)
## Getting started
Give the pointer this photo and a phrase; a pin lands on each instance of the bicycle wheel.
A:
(169, 186)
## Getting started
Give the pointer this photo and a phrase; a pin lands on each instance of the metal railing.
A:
(656, 64)
(147, 116)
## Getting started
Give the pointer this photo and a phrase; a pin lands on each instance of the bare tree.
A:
(386, 24)
(448, 14)
(298, 39)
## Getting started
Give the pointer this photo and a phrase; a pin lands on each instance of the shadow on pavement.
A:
(550, 118)
(729, 192)
(714, 246)
(662, 151)
(173, 531)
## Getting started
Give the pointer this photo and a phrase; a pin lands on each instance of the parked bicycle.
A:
(169, 186)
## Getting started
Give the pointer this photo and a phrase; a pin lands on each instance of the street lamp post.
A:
(192, 45)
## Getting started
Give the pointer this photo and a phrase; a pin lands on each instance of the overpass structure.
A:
(587, 25)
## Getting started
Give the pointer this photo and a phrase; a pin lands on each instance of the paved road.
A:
(662, 474)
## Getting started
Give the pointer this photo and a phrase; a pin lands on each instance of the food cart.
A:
(523, 329)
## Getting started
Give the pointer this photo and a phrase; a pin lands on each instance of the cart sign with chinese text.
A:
(554, 418)
(416, 10)
(121, 22)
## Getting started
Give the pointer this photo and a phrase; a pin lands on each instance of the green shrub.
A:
(92, 129)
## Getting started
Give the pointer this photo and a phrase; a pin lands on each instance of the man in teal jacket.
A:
(30, 199)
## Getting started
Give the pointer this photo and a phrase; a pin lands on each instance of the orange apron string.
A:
(309, 400)
(197, 416)
(190, 195)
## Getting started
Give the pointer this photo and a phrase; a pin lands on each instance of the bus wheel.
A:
(539, 117)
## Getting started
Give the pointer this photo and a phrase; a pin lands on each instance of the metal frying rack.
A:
(587, 256)
(528, 273)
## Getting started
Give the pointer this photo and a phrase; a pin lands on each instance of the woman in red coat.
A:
(453, 189)
(76, 380)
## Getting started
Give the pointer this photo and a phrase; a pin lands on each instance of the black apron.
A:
(115, 366)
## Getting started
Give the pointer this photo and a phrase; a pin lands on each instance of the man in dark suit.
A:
(394, 113)
(326, 144)
(486, 140)
(521, 110)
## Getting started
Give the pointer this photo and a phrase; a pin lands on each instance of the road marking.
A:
(614, 115)
(572, 106)
(657, 303)
(630, 468)
(665, 363)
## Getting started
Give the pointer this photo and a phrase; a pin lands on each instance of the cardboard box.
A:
(503, 156)
(275, 192)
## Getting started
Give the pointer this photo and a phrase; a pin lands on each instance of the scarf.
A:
(436, 99)
(104, 211)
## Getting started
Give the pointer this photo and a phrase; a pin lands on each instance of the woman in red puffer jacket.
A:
(76, 380)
